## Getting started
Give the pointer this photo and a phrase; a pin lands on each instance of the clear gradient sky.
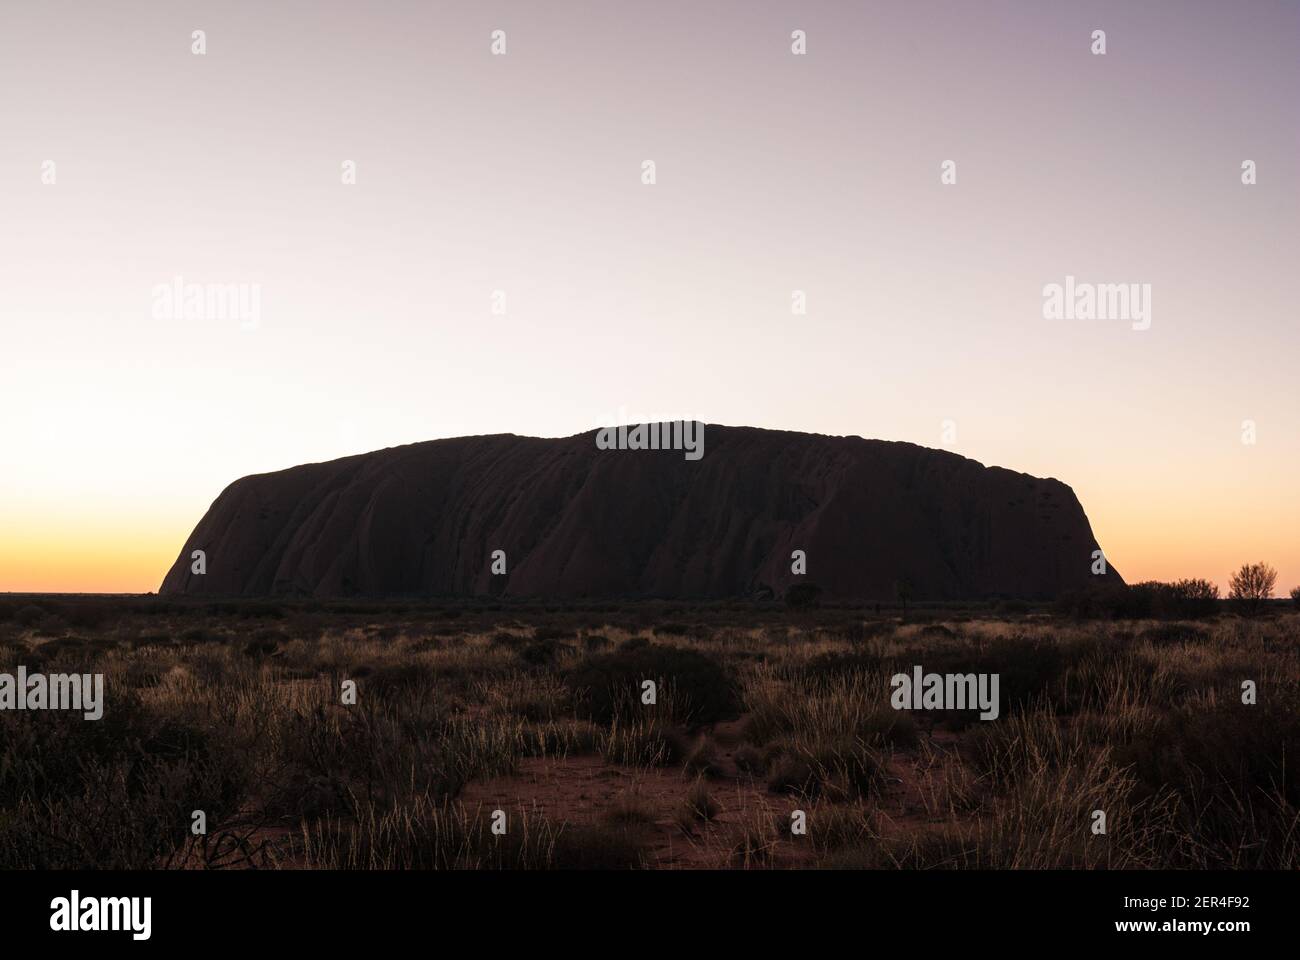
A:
(522, 173)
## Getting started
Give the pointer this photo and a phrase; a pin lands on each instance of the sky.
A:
(500, 264)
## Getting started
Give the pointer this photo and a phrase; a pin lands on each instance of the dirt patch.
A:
(654, 802)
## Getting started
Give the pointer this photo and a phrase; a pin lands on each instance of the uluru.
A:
(575, 521)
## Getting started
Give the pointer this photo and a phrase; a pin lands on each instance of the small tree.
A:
(1295, 596)
(1252, 585)
(903, 589)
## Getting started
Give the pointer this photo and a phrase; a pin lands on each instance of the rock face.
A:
(576, 521)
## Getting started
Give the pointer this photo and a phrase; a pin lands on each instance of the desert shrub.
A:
(29, 615)
(1187, 599)
(859, 632)
(802, 596)
(389, 748)
(121, 816)
(1077, 604)
(629, 808)
(595, 642)
(839, 767)
(1019, 747)
(757, 840)
(672, 629)
(837, 827)
(853, 704)
(1166, 634)
(703, 690)
(1191, 599)
(307, 626)
(201, 635)
(1231, 766)
(887, 726)
(1027, 667)
(1223, 748)
(749, 759)
(52, 626)
(700, 804)
(263, 643)
(401, 678)
(541, 653)
(53, 648)
(923, 616)
(835, 663)
(1182, 600)
(88, 615)
(552, 633)
(259, 610)
(532, 696)
(115, 793)
(144, 674)
(1138, 601)
(640, 741)
(65, 654)
(150, 640)
(702, 759)
(42, 750)
(560, 738)
(1047, 781)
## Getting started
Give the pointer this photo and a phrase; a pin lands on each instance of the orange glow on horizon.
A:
(115, 553)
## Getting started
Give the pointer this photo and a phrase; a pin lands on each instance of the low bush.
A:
(703, 690)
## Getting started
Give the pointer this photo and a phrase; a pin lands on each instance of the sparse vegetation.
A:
(541, 712)
(1190, 599)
